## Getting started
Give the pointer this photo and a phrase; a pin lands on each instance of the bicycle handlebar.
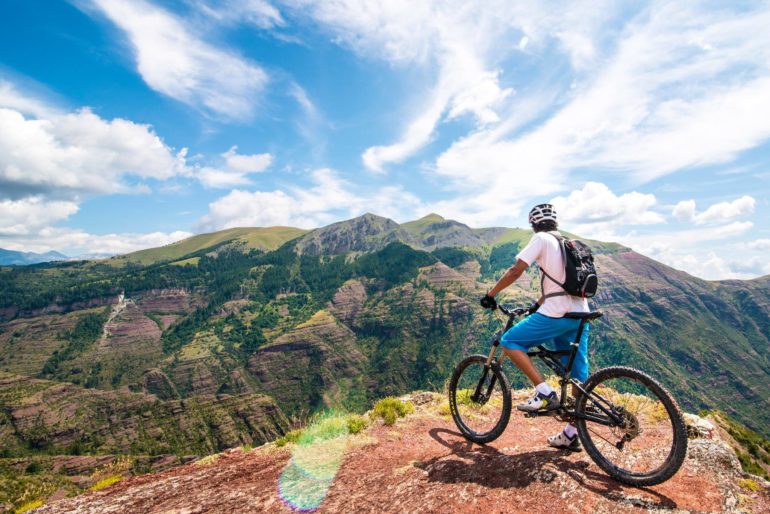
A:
(511, 313)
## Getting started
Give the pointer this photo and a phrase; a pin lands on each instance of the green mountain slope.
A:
(268, 238)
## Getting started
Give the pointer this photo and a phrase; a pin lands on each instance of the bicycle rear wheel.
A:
(479, 399)
(648, 445)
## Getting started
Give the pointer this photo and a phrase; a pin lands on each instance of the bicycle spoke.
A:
(642, 443)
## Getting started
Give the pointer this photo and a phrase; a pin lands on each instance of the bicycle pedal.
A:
(537, 414)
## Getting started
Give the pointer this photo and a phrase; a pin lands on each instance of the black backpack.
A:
(580, 272)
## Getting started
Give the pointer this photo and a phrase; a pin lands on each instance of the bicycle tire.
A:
(502, 423)
(678, 450)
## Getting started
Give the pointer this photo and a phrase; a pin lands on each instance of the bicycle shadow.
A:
(487, 466)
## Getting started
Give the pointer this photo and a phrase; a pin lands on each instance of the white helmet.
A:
(542, 212)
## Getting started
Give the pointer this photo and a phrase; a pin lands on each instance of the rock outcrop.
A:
(422, 464)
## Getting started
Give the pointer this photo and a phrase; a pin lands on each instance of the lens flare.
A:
(315, 461)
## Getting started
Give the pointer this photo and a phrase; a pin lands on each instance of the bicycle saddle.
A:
(588, 316)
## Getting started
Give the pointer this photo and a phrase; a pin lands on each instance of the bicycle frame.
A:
(551, 359)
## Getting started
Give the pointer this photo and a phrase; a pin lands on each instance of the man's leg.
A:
(524, 363)
(567, 439)
(532, 330)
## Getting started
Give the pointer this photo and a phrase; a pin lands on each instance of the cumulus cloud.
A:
(328, 199)
(596, 204)
(235, 169)
(653, 104)
(76, 242)
(175, 62)
(717, 213)
(714, 261)
(78, 152)
(21, 217)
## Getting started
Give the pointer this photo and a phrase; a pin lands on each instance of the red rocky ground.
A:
(423, 465)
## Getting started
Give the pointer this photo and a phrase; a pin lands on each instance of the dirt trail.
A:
(422, 464)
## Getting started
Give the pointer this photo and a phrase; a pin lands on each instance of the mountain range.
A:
(14, 258)
(234, 336)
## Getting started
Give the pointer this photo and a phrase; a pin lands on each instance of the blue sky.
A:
(132, 124)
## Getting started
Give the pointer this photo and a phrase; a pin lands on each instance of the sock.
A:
(570, 430)
(544, 389)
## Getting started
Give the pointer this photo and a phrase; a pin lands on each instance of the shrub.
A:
(749, 484)
(106, 482)
(33, 467)
(390, 409)
(29, 506)
(290, 437)
(356, 423)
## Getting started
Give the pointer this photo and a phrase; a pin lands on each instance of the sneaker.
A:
(565, 442)
(540, 402)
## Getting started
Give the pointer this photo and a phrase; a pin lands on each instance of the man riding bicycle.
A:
(546, 322)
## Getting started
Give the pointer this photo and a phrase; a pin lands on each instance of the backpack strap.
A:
(543, 275)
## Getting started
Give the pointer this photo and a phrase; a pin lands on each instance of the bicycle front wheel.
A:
(644, 442)
(479, 399)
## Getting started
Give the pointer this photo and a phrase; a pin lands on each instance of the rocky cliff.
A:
(422, 464)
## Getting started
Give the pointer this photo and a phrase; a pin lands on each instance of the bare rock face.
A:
(167, 301)
(363, 234)
(312, 365)
(348, 301)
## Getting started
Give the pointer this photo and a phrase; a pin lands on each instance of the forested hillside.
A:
(346, 314)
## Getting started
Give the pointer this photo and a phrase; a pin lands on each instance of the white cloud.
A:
(650, 105)
(235, 170)
(596, 204)
(759, 244)
(329, 199)
(78, 153)
(11, 98)
(76, 242)
(246, 163)
(717, 213)
(21, 217)
(174, 61)
(706, 252)
(460, 42)
(259, 13)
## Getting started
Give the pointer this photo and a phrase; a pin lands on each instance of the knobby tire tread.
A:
(506, 413)
(676, 457)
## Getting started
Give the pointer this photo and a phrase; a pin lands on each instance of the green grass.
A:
(417, 226)
(262, 238)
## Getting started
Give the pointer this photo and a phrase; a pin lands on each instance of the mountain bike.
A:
(629, 424)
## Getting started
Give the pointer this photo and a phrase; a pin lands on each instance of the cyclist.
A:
(546, 323)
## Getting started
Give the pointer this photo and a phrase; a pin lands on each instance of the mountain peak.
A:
(432, 217)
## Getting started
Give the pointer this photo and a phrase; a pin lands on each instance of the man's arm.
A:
(513, 273)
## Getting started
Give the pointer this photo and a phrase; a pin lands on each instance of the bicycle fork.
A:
(477, 394)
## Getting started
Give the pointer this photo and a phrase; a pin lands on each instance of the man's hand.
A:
(533, 308)
(488, 302)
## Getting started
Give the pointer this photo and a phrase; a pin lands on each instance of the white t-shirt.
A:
(544, 249)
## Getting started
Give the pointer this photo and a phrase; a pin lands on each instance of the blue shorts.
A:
(539, 329)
